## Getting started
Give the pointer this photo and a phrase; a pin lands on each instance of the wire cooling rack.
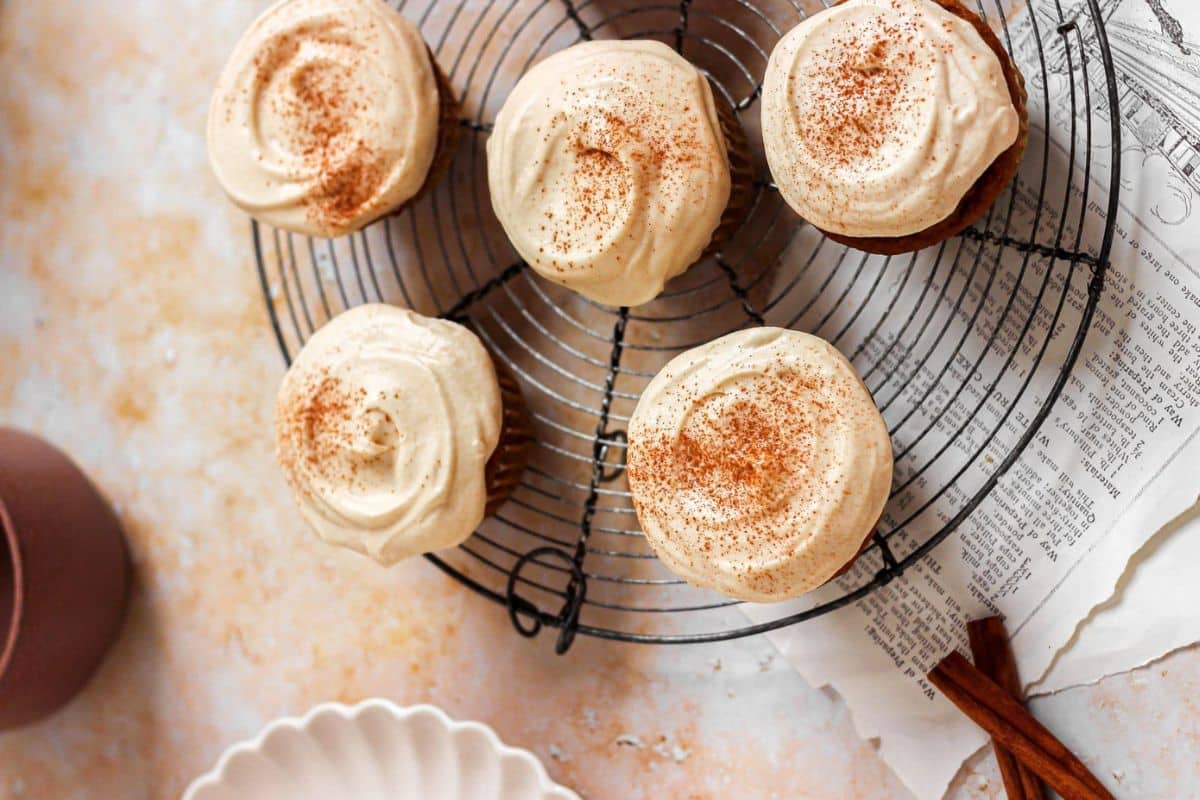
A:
(965, 346)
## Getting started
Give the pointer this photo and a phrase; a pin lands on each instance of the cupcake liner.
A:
(449, 132)
(449, 129)
(507, 462)
(854, 559)
(979, 198)
(741, 174)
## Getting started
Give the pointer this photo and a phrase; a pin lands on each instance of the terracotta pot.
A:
(64, 575)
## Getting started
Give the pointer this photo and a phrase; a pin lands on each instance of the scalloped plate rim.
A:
(216, 775)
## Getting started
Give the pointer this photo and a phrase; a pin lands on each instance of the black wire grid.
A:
(965, 346)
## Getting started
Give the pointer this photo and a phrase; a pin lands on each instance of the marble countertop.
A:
(133, 334)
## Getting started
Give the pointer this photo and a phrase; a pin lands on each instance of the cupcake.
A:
(396, 434)
(329, 115)
(892, 125)
(613, 169)
(758, 464)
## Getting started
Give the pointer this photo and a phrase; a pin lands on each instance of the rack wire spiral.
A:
(965, 346)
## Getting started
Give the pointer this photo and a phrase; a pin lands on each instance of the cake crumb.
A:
(630, 740)
(669, 751)
(589, 718)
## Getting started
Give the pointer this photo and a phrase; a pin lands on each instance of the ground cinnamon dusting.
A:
(322, 116)
(315, 428)
(856, 90)
(606, 145)
(745, 469)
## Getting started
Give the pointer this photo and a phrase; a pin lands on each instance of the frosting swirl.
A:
(608, 170)
(383, 427)
(879, 115)
(758, 464)
(325, 117)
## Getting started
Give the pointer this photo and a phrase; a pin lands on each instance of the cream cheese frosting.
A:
(879, 115)
(608, 168)
(383, 426)
(758, 464)
(325, 117)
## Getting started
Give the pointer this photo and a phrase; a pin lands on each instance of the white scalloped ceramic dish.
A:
(376, 750)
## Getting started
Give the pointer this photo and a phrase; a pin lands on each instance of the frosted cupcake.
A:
(328, 115)
(396, 434)
(758, 464)
(892, 125)
(613, 169)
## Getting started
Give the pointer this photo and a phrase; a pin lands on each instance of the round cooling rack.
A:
(965, 346)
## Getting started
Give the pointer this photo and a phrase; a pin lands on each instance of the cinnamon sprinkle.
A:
(608, 143)
(321, 110)
(315, 428)
(743, 467)
(855, 92)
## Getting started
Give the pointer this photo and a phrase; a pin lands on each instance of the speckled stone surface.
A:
(133, 334)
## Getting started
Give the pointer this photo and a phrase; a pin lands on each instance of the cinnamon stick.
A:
(993, 657)
(1007, 721)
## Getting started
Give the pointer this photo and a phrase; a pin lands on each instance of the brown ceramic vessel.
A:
(64, 573)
